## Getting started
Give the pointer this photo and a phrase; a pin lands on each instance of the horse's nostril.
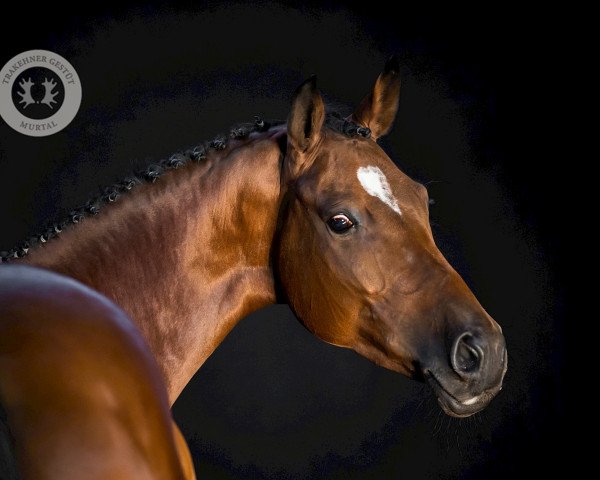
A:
(466, 356)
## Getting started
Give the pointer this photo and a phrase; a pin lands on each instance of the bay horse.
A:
(311, 212)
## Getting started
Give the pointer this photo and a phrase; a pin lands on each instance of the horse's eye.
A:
(340, 223)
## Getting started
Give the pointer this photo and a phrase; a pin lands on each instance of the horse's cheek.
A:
(368, 272)
(369, 275)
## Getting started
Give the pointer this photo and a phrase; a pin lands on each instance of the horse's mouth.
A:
(453, 406)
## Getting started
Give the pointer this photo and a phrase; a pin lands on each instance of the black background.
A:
(273, 401)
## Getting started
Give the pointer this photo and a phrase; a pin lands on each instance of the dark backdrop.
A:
(273, 401)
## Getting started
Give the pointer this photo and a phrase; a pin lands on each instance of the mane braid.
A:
(152, 173)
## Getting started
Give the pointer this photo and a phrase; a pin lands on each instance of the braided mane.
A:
(151, 173)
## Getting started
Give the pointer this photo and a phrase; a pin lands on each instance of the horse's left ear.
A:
(306, 117)
(378, 110)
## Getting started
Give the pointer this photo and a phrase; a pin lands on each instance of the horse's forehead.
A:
(375, 183)
(361, 169)
(362, 165)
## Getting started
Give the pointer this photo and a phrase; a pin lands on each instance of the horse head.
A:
(357, 261)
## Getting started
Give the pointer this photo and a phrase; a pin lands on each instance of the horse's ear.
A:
(378, 110)
(306, 117)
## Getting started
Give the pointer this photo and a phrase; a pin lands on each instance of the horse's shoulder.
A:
(69, 355)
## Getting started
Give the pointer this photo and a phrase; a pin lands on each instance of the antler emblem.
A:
(26, 97)
(48, 95)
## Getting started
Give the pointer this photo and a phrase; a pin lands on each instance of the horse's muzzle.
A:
(473, 376)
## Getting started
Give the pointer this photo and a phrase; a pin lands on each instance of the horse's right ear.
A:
(306, 117)
(378, 110)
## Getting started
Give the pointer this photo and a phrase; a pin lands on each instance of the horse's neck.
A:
(186, 257)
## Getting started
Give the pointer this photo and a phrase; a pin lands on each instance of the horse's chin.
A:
(454, 407)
